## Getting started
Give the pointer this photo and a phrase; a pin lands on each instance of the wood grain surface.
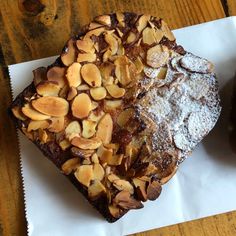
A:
(31, 29)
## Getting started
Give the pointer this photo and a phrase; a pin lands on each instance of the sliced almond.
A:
(162, 73)
(48, 88)
(104, 154)
(52, 106)
(156, 57)
(140, 189)
(113, 146)
(82, 153)
(142, 22)
(121, 18)
(43, 136)
(84, 143)
(121, 184)
(153, 190)
(57, 74)
(63, 92)
(68, 57)
(115, 91)
(139, 65)
(167, 32)
(57, 124)
(149, 36)
(124, 200)
(30, 112)
(110, 105)
(86, 57)
(131, 37)
(85, 45)
(73, 74)
(83, 87)
(98, 93)
(86, 162)
(94, 116)
(18, 113)
(84, 174)
(96, 189)
(96, 32)
(91, 75)
(94, 105)
(71, 93)
(81, 106)
(73, 130)
(106, 55)
(70, 165)
(125, 116)
(103, 19)
(114, 211)
(104, 129)
(98, 172)
(94, 25)
(94, 158)
(37, 124)
(115, 160)
(112, 42)
(64, 144)
(112, 177)
(89, 128)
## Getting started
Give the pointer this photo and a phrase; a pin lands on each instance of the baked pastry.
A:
(120, 109)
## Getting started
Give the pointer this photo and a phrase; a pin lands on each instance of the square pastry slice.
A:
(119, 110)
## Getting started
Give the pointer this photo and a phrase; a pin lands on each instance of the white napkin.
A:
(204, 185)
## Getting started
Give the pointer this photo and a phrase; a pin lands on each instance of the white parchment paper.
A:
(204, 185)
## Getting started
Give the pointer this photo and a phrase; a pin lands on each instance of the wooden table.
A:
(31, 29)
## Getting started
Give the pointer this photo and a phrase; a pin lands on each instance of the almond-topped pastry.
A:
(120, 109)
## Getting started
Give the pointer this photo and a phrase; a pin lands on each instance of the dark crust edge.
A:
(52, 150)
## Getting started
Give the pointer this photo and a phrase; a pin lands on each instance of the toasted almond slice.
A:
(158, 34)
(110, 105)
(89, 128)
(52, 106)
(64, 144)
(86, 162)
(88, 57)
(142, 22)
(91, 75)
(73, 130)
(167, 32)
(94, 116)
(112, 177)
(121, 18)
(18, 113)
(140, 190)
(115, 91)
(98, 93)
(113, 146)
(68, 57)
(85, 45)
(30, 112)
(94, 25)
(57, 124)
(94, 158)
(81, 106)
(112, 42)
(71, 93)
(48, 88)
(37, 124)
(162, 73)
(43, 136)
(83, 87)
(115, 211)
(156, 57)
(125, 116)
(103, 19)
(81, 153)
(96, 189)
(84, 143)
(84, 174)
(104, 129)
(70, 165)
(64, 91)
(131, 37)
(57, 74)
(98, 172)
(104, 154)
(95, 32)
(139, 65)
(115, 160)
(149, 36)
(73, 74)
(121, 185)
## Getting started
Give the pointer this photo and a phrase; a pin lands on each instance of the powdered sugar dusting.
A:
(186, 107)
